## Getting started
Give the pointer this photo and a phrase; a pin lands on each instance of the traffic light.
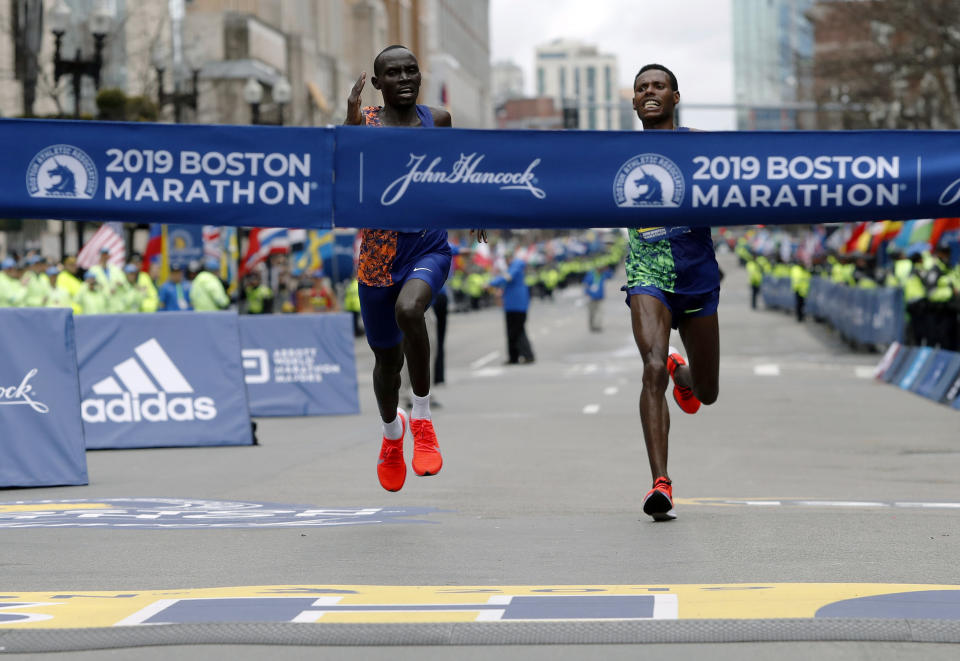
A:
(571, 118)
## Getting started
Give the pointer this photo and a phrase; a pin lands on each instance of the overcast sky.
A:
(691, 37)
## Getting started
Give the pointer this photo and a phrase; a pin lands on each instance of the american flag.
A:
(109, 236)
(212, 242)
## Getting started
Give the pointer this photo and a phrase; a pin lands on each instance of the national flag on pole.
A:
(212, 242)
(154, 246)
(319, 246)
(109, 236)
(229, 260)
(263, 242)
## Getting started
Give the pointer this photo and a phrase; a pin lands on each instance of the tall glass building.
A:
(772, 64)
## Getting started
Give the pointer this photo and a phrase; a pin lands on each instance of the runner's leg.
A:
(701, 340)
(651, 330)
(415, 296)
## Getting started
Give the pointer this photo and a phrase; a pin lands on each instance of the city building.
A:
(301, 58)
(772, 64)
(580, 79)
(506, 82)
(536, 113)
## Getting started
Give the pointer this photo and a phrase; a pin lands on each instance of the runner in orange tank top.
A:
(399, 274)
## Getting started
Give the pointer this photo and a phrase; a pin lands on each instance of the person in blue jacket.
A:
(516, 301)
(174, 294)
(593, 287)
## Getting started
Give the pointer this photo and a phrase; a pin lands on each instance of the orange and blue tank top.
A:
(385, 255)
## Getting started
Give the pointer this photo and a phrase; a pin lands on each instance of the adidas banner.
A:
(299, 364)
(41, 442)
(162, 380)
(163, 173)
(396, 178)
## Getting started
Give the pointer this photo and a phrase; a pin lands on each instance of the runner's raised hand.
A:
(354, 115)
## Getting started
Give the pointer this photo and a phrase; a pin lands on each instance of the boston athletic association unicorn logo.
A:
(62, 171)
(64, 182)
(649, 190)
(648, 180)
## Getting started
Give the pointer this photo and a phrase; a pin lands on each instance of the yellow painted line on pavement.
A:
(53, 507)
(371, 603)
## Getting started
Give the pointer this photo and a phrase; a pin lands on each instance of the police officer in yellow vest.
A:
(351, 303)
(800, 283)
(207, 292)
(755, 276)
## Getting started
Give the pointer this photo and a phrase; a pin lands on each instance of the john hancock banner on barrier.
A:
(41, 437)
(171, 379)
(141, 172)
(299, 364)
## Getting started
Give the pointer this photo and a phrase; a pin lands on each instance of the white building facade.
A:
(577, 76)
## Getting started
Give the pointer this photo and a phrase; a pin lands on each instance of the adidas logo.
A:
(145, 394)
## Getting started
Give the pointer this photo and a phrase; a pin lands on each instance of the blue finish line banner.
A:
(458, 178)
(138, 172)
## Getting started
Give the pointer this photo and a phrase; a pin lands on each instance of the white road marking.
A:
(591, 409)
(864, 371)
(818, 503)
(489, 371)
(766, 370)
(483, 360)
(611, 390)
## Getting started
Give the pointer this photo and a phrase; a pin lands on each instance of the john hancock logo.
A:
(648, 180)
(62, 171)
(22, 394)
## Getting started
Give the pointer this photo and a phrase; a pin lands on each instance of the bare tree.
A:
(895, 62)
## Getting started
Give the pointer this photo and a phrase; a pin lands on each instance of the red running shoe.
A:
(658, 502)
(426, 450)
(391, 468)
(684, 397)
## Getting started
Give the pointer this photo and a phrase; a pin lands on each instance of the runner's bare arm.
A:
(354, 115)
(441, 117)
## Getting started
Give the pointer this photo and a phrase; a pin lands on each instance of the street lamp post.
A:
(281, 95)
(177, 98)
(99, 24)
(253, 94)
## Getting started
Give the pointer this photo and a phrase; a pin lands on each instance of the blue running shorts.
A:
(377, 304)
(681, 306)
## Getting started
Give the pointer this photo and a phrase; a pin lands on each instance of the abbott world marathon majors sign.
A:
(132, 172)
(164, 380)
(41, 437)
(299, 364)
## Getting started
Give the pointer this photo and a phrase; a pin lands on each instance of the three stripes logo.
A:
(151, 389)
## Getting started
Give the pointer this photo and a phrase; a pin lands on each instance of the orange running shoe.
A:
(391, 468)
(684, 397)
(658, 502)
(426, 450)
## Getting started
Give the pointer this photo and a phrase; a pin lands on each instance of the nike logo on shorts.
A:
(692, 311)
(421, 268)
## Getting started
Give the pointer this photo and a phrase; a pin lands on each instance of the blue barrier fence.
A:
(777, 293)
(925, 371)
(41, 437)
(866, 316)
(396, 178)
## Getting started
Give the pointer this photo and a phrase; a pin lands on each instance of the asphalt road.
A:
(805, 471)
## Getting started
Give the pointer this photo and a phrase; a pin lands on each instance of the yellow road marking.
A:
(746, 601)
(53, 507)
